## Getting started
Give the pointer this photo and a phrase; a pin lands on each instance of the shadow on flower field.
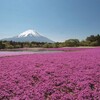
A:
(51, 76)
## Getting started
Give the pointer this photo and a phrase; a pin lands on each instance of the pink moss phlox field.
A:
(70, 48)
(12, 53)
(55, 76)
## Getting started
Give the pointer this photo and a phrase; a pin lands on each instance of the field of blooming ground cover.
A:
(51, 76)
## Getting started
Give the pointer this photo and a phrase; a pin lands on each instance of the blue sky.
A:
(56, 19)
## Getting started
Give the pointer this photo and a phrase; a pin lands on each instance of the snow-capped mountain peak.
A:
(29, 36)
(29, 33)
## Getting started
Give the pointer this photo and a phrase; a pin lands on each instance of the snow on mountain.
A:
(29, 36)
(28, 32)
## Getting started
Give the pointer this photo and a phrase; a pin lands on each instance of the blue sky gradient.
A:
(56, 19)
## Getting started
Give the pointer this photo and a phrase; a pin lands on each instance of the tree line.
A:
(89, 41)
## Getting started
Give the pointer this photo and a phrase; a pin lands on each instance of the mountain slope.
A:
(29, 36)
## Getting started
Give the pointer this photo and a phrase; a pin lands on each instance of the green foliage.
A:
(85, 43)
(2, 45)
(55, 45)
(72, 42)
(94, 40)
(47, 45)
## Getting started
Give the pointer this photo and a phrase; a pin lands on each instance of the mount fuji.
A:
(29, 36)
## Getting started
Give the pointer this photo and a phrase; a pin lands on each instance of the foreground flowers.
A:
(54, 76)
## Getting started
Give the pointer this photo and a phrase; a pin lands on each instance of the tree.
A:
(91, 38)
(85, 43)
(94, 40)
(55, 45)
(72, 42)
(2, 45)
(47, 45)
